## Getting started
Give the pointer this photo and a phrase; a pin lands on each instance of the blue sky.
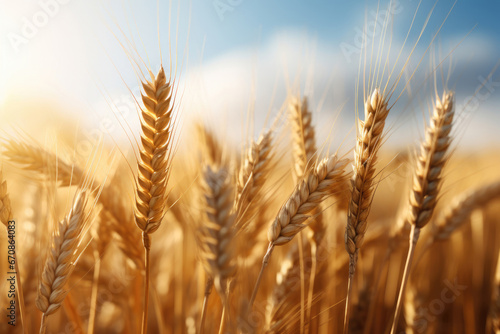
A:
(328, 20)
(229, 24)
(243, 51)
(249, 22)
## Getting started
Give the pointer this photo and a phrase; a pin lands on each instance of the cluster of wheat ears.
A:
(241, 242)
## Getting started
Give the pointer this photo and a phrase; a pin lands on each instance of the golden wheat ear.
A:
(209, 144)
(218, 229)
(430, 163)
(320, 182)
(368, 141)
(36, 159)
(217, 234)
(251, 178)
(155, 156)
(154, 164)
(459, 211)
(303, 134)
(61, 259)
(456, 214)
(427, 180)
(304, 151)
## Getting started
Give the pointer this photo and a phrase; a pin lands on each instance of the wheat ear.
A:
(458, 212)
(155, 159)
(37, 159)
(251, 177)
(209, 144)
(217, 232)
(154, 164)
(61, 259)
(461, 208)
(121, 223)
(427, 181)
(368, 141)
(303, 134)
(321, 182)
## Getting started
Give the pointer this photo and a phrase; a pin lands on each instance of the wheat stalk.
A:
(368, 141)
(208, 291)
(427, 181)
(61, 259)
(494, 312)
(154, 164)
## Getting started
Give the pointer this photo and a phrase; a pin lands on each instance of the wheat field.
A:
(182, 230)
